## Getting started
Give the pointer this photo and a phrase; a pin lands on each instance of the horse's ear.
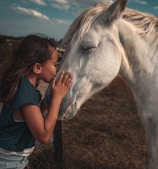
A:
(114, 11)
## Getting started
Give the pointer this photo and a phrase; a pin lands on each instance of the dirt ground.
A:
(107, 133)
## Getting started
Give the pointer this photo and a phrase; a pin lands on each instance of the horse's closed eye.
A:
(87, 48)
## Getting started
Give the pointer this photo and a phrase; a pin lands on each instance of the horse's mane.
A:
(144, 21)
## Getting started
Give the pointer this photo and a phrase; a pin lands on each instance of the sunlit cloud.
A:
(83, 3)
(155, 7)
(65, 4)
(39, 2)
(61, 4)
(61, 21)
(30, 12)
(141, 2)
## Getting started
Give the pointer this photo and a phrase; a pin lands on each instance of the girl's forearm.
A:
(51, 118)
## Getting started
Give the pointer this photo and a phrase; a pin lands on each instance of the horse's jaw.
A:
(73, 101)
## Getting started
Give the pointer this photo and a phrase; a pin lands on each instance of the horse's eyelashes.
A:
(87, 48)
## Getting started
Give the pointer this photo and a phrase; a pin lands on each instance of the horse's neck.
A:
(139, 69)
(139, 65)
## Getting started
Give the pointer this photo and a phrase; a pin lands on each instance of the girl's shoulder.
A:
(26, 94)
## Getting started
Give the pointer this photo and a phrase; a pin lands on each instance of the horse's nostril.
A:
(67, 112)
(75, 105)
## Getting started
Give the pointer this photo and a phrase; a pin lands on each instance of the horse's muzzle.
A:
(69, 113)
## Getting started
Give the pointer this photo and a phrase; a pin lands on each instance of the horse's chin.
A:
(69, 113)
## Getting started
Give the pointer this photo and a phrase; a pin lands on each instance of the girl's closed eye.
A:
(56, 64)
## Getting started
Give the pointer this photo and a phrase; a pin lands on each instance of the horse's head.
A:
(92, 55)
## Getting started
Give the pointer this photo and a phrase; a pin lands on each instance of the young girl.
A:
(21, 119)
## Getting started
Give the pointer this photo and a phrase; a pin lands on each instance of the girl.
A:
(21, 119)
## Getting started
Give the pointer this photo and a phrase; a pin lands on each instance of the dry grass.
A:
(105, 134)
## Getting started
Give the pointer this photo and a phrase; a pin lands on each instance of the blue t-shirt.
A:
(16, 136)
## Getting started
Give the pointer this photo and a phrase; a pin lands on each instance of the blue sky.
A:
(52, 17)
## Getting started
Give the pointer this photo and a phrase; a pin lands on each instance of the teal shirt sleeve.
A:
(26, 94)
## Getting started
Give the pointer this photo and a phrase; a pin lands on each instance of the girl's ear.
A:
(37, 68)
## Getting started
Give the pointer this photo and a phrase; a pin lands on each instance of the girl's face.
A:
(49, 68)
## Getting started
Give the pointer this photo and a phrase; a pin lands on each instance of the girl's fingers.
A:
(69, 84)
(61, 76)
(53, 82)
(65, 78)
(68, 81)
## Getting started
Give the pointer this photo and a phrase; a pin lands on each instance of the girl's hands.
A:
(61, 85)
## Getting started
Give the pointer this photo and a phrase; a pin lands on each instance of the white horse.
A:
(108, 40)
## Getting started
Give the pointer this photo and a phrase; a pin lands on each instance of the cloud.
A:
(141, 2)
(65, 4)
(39, 2)
(155, 7)
(83, 3)
(30, 12)
(61, 21)
(61, 4)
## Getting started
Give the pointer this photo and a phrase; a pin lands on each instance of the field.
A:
(107, 133)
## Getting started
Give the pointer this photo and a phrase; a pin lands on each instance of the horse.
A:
(109, 40)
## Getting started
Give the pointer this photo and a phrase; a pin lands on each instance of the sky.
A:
(52, 17)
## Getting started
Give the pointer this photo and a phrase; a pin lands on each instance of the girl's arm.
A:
(42, 128)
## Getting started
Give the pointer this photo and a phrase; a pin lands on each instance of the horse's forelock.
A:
(83, 22)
